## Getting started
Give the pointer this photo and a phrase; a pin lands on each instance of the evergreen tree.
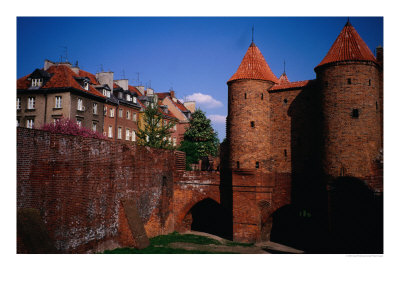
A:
(155, 130)
(200, 139)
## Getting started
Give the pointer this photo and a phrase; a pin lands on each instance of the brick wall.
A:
(78, 184)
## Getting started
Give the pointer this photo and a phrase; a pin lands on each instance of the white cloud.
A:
(218, 119)
(203, 100)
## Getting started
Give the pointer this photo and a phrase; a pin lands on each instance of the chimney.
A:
(106, 78)
(379, 54)
(150, 91)
(190, 105)
(48, 64)
(140, 88)
(75, 69)
(172, 93)
(122, 83)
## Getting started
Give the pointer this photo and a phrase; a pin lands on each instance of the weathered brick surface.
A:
(249, 124)
(191, 187)
(351, 145)
(77, 184)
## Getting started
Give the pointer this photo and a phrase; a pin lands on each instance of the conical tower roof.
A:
(283, 79)
(348, 46)
(254, 66)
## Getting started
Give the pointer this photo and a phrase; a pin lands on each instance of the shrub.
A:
(67, 126)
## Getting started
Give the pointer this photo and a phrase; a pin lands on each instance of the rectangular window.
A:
(110, 134)
(111, 112)
(105, 110)
(175, 127)
(128, 97)
(119, 136)
(79, 122)
(18, 103)
(18, 122)
(86, 86)
(134, 117)
(80, 105)
(94, 126)
(120, 113)
(95, 108)
(174, 142)
(133, 135)
(58, 103)
(128, 114)
(30, 123)
(257, 165)
(134, 100)
(37, 82)
(127, 134)
(31, 103)
(355, 113)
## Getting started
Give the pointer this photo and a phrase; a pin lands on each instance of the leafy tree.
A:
(200, 139)
(67, 126)
(154, 132)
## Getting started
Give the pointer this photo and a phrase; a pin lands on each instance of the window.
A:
(31, 103)
(252, 124)
(355, 113)
(119, 136)
(80, 105)
(127, 134)
(30, 123)
(106, 93)
(95, 108)
(86, 86)
(134, 100)
(285, 153)
(112, 112)
(175, 127)
(237, 165)
(55, 120)
(120, 113)
(105, 110)
(376, 104)
(128, 114)
(262, 96)
(133, 135)
(128, 97)
(110, 135)
(134, 117)
(58, 103)
(174, 141)
(18, 122)
(348, 80)
(285, 101)
(79, 122)
(94, 126)
(147, 138)
(369, 82)
(18, 103)
(245, 95)
(119, 95)
(37, 82)
(257, 165)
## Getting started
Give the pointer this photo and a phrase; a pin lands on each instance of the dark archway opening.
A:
(209, 216)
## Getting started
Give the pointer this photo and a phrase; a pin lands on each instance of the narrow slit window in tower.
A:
(238, 165)
(245, 95)
(376, 104)
(326, 83)
(285, 152)
(355, 113)
(257, 165)
(285, 101)
(262, 96)
(348, 80)
(252, 124)
(369, 82)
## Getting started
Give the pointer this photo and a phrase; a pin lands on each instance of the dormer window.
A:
(134, 99)
(119, 95)
(37, 81)
(86, 85)
(106, 93)
(128, 97)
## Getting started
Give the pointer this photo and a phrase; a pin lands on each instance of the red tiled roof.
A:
(348, 46)
(134, 90)
(180, 105)
(62, 77)
(290, 85)
(283, 79)
(254, 66)
(92, 77)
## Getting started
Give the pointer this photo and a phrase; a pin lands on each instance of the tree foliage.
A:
(200, 139)
(155, 131)
(67, 126)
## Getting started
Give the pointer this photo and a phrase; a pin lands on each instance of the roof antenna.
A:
(284, 67)
(66, 53)
(348, 21)
(252, 34)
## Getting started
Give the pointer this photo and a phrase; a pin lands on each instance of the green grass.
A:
(159, 245)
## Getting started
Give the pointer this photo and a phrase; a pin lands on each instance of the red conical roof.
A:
(348, 46)
(254, 66)
(283, 79)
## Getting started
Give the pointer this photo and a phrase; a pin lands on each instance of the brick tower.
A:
(248, 133)
(348, 77)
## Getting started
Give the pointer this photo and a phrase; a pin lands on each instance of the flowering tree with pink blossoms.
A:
(67, 126)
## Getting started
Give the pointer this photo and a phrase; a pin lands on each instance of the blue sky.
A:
(195, 56)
